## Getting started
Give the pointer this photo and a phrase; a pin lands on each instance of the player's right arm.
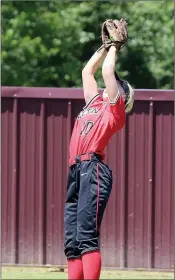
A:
(90, 87)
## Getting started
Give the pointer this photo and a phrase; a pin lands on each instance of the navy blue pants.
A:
(88, 190)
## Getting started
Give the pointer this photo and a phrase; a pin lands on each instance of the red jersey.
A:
(95, 125)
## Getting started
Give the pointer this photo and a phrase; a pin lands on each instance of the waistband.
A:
(85, 157)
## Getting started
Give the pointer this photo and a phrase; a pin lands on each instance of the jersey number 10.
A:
(87, 125)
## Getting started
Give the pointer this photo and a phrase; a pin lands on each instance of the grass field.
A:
(52, 273)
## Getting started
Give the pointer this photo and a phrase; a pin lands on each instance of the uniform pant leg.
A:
(95, 189)
(70, 216)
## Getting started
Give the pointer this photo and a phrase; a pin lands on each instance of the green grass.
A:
(52, 273)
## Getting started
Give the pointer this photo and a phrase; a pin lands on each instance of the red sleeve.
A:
(118, 112)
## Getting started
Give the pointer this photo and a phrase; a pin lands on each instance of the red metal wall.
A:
(137, 230)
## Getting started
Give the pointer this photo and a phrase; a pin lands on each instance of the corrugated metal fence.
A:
(137, 230)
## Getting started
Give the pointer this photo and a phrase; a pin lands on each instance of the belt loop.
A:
(77, 159)
(91, 155)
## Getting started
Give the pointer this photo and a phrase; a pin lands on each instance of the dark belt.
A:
(85, 157)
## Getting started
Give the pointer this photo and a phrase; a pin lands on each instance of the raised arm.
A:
(89, 83)
(113, 86)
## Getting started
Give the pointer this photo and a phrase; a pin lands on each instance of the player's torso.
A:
(93, 129)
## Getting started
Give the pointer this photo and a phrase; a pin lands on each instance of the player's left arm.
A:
(113, 87)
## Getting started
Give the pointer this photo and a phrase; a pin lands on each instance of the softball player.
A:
(90, 180)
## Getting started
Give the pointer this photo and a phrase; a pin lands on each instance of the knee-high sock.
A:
(75, 269)
(91, 265)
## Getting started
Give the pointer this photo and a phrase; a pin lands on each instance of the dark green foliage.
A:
(46, 43)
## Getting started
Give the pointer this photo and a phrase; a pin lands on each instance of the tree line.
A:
(47, 43)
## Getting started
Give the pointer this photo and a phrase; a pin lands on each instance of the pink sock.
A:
(75, 269)
(92, 265)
